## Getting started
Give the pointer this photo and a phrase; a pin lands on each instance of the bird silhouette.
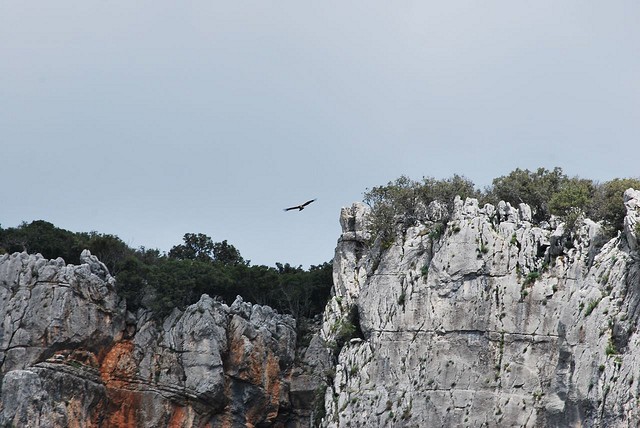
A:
(299, 207)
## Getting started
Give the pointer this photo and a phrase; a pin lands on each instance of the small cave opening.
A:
(542, 250)
(349, 328)
(354, 315)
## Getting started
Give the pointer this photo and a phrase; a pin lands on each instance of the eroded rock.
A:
(495, 322)
(70, 355)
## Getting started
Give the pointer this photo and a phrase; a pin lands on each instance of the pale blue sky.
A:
(151, 119)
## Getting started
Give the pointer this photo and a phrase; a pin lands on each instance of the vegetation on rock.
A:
(161, 282)
(406, 202)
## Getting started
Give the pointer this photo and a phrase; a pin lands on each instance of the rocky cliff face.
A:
(491, 322)
(71, 356)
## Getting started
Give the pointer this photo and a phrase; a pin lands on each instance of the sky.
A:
(152, 119)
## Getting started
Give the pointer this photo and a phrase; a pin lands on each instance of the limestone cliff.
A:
(71, 356)
(492, 322)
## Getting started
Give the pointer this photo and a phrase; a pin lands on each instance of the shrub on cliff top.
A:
(608, 202)
(401, 202)
(534, 188)
(404, 200)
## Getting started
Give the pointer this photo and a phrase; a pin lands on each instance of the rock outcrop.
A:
(71, 356)
(490, 321)
(493, 321)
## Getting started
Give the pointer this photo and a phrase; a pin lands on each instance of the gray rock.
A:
(631, 220)
(494, 322)
(71, 355)
(497, 323)
(48, 305)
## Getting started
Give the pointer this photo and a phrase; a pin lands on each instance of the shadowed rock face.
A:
(70, 356)
(493, 322)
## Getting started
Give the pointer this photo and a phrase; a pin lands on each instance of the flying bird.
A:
(299, 207)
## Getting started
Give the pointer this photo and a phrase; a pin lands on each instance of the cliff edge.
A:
(493, 321)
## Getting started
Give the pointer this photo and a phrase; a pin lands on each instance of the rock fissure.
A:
(440, 332)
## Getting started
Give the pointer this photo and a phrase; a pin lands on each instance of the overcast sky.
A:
(152, 119)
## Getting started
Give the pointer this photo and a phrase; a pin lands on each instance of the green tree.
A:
(42, 237)
(255, 283)
(110, 249)
(132, 279)
(301, 293)
(319, 284)
(196, 246)
(3, 250)
(573, 193)
(534, 188)
(177, 283)
(227, 254)
(398, 198)
(608, 203)
(145, 277)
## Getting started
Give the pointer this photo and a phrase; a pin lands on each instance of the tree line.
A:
(548, 193)
(160, 282)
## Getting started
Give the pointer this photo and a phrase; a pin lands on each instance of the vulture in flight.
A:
(299, 207)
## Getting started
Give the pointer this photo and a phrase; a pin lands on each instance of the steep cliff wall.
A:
(70, 355)
(493, 321)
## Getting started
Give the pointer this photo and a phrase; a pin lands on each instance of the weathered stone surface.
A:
(53, 395)
(495, 322)
(71, 356)
(632, 203)
(47, 305)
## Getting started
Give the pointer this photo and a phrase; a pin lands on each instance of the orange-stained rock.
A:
(118, 366)
(74, 358)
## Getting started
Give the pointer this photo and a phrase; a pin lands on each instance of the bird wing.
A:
(299, 207)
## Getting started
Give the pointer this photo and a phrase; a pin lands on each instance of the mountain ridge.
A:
(486, 319)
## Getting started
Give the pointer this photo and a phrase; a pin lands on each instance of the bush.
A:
(401, 203)
(404, 201)
(531, 277)
(197, 266)
(446, 190)
(573, 193)
(534, 188)
(591, 306)
(610, 349)
(608, 203)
